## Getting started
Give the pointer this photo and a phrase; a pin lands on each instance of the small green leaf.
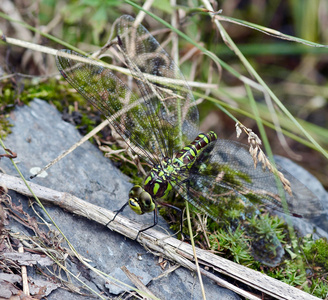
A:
(291, 253)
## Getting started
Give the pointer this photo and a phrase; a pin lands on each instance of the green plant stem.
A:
(194, 250)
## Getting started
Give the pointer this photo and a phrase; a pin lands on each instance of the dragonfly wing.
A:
(103, 89)
(233, 166)
(159, 118)
(224, 184)
(167, 96)
(232, 210)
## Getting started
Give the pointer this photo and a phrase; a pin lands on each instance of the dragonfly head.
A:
(140, 201)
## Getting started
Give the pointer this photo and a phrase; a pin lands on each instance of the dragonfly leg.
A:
(117, 212)
(178, 210)
(151, 226)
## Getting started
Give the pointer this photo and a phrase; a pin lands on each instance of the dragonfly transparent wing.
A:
(232, 210)
(167, 95)
(224, 184)
(159, 118)
(112, 97)
(230, 164)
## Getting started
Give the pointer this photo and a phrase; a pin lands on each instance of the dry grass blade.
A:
(137, 282)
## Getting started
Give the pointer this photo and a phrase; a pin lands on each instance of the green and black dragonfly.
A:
(159, 121)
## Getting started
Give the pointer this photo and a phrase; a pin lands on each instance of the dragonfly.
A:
(159, 121)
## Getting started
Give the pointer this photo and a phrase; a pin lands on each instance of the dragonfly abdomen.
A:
(188, 154)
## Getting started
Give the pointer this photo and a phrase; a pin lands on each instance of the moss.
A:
(317, 253)
(234, 245)
(319, 288)
(232, 242)
(7, 104)
(5, 127)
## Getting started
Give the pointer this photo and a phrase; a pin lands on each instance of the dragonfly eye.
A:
(134, 195)
(134, 205)
(140, 201)
(145, 198)
(135, 191)
(146, 202)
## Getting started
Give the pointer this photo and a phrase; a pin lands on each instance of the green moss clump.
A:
(317, 253)
(234, 244)
(4, 127)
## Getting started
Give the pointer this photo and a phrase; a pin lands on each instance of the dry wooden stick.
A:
(156, 241)
(26, 288)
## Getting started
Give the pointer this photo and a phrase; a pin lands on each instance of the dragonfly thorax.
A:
(157, 182)
(157, 185)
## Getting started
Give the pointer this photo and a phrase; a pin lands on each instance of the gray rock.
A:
(316, 223)
(306, 178)
(38, 136)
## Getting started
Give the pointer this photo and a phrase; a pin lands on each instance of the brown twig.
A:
(26, 288)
